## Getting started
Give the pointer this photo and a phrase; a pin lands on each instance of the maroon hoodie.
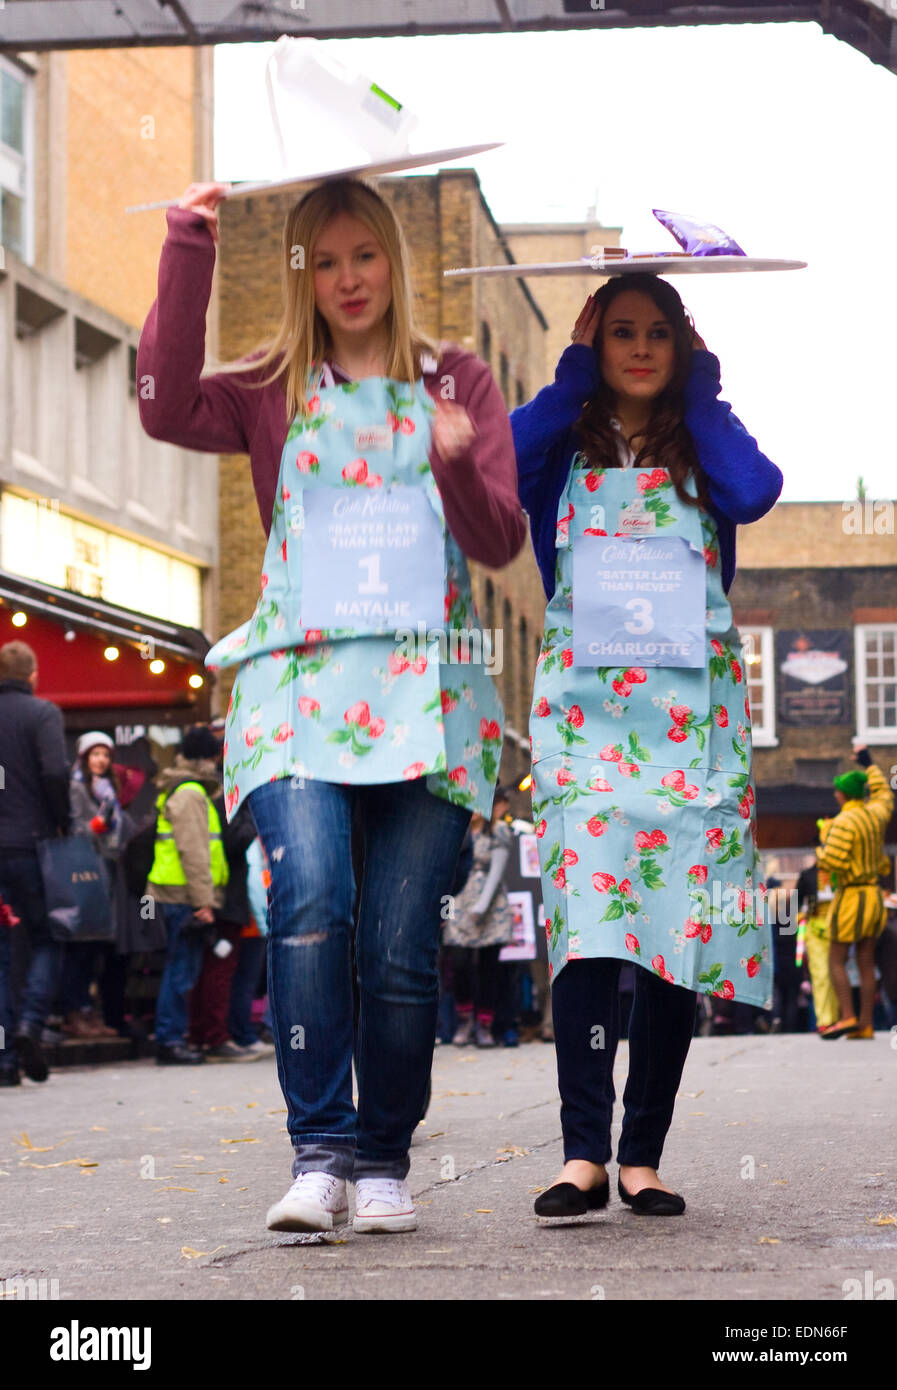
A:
(216, 414)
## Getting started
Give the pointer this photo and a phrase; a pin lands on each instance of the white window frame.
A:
(763, 736)
(867, 734)
(26, 77)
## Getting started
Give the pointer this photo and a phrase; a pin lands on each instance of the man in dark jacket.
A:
(34, 805)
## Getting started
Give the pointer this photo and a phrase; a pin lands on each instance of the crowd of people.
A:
(184, 887)
(189, 890)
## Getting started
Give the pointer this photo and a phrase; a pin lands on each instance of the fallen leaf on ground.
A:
(769, 1240)
(282, 1111)
(64, 1163)
(25, 1143)
(247, 1140)
(177, 1189)
(484, 1211)
(440, 1094)
(251, 1104)
(881, 1220)
(511, 1151)
(164, 1220)
(780, 1182)
(224, 1179)
(190, 1254)
(213, 1108)
(99, 1129)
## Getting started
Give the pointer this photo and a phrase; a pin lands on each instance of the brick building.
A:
(107, 538)
(560, 297)
(815, 599)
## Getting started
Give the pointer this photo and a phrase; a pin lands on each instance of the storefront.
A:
(105, 666)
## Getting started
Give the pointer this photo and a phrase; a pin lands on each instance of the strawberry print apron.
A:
(642, 791)
(337, 705)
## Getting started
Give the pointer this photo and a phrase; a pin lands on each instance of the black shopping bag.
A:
(76, 889)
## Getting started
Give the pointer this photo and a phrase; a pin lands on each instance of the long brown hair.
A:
(303, 339)
(666, 442)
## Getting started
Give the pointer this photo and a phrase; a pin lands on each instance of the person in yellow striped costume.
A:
(852, 850)
(814, 892)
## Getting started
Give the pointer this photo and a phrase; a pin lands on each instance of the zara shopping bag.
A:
(76, 888)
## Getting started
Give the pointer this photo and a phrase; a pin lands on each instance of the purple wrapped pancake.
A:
(698, 238)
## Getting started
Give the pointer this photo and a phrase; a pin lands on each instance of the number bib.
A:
(638, 602)
(371, 560)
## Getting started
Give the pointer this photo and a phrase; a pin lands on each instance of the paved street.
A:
(134, 1182)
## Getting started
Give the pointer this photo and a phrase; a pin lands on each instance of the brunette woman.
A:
(96, 811)
(635, 475)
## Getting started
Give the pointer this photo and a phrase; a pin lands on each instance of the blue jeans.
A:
(182, 966)
(22, 888)
(242, 991)
(411, 844)
(584, 1001)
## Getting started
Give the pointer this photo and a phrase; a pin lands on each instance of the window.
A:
(486, 344)
(41, 542)
(14, 156)
(509, 681)
(876, 682)
(759, 661)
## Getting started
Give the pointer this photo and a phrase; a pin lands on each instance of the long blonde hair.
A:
(303, 339)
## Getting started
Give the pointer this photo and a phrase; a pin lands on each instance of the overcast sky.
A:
(783, 136)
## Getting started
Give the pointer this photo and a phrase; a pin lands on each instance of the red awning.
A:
(70, 634)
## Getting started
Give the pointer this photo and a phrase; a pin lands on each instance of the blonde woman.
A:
(349, 412)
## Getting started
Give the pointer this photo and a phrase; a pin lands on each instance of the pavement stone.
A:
(140, 1182)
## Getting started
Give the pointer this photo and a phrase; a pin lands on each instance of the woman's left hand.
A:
(453, 431)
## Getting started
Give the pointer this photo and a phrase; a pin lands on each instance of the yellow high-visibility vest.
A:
(167, 869)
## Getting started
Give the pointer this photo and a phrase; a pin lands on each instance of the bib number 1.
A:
(373, 584)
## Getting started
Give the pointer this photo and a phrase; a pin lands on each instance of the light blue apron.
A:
(336, 705)
(642, 791)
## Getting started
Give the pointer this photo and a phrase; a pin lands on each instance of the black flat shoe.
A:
(566, 1199)
(651, 1201)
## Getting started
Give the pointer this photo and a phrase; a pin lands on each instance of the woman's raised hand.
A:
(204, 199)
(586, 326)
(453, 430)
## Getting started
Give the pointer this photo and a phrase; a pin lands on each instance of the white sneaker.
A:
(259, 1049)
(315, 1202)
(383, 1204)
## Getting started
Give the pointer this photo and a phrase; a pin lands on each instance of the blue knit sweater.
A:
(742, 483)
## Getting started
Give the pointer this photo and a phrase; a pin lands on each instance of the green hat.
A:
(852, 784)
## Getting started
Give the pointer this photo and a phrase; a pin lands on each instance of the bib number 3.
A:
(642, 619)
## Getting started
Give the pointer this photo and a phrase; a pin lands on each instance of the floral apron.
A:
(338, 705)
(642, 791)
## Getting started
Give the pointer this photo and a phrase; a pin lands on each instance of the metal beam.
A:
(870, 26)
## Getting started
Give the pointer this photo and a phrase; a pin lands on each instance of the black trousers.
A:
(475, 978)
(585, 1005)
